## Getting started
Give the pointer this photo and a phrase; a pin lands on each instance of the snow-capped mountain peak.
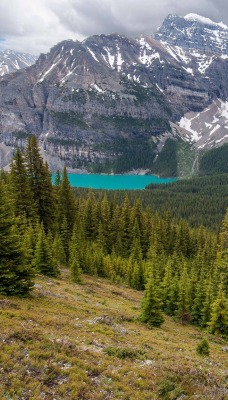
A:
(194, 32)
(204, 20)
(11, 61)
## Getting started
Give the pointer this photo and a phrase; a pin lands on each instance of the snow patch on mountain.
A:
(92, 54)
(186, 123)
(109, 58)
(207, 128)
(119, 59)
(113, 60)
(188, 57)
(97, 88)
(224, 110)
(204, 20)
(44, 74)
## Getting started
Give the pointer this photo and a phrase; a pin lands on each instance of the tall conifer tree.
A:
(219, 314)
(40, 183)
(67, 201)
(74, 259)
(15, 274)
(43, 258)
(152, 305)
(183, 301)
(23, 200)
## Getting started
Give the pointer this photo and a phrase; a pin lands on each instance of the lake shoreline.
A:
(134, 172)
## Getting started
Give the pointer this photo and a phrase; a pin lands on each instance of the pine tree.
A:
(58, 251)
(166, 287)
(152, 305)
(222, 256)
(67, 201)
(57, 179)
(137, 281)
(28, 245)
(40, 183)
(74, 258)
(183, 239)
(172, 301)
(90, 217)
(65, 237)
(218, 324)
(183, 298)
(224, 233)
(125, 226)
(115, 230)
(136, 217)
(136, 250)
(24, 203)
(15, 275)
(198, 303)
(206, 310)
(203, 348)
(43, 259)
(105, 222)
(75, 271)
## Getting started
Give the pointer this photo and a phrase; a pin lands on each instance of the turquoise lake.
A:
(115, 182)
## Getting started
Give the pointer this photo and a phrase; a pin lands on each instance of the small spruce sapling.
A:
(203, 348)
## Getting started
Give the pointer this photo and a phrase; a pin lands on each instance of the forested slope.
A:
(199, 200)
(49, 231)
(44, 227)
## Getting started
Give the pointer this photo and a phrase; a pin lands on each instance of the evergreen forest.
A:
(44, 228)
(202, 200)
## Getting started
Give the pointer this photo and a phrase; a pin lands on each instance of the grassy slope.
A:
(84, 342)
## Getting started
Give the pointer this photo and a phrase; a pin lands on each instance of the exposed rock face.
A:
(11, 61)
(206, 129)
(82, 97)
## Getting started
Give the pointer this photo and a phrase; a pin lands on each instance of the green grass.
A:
(85, 342)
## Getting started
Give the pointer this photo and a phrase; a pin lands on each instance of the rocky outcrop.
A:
(206, 129)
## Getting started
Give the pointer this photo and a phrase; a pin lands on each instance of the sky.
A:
(34, 26)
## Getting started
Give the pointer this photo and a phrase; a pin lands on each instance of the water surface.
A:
(115, 182)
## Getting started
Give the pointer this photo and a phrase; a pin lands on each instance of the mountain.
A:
(194, 34)
(109, 103)
(11, 61)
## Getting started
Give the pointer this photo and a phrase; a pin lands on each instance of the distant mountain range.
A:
(11, 61)
(110, 103)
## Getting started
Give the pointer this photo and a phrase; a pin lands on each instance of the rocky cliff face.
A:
(87, 99)
(11, 61)
(206, 129)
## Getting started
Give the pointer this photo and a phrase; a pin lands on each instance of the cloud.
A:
(35, 26)
(31, 26)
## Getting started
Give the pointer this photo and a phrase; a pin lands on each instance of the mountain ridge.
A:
(12, 61)
(83, 96)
